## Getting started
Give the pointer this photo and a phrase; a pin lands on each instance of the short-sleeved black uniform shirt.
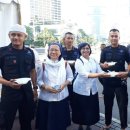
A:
(119, 55)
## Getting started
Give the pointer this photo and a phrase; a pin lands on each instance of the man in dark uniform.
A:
(115, 85)
(17, 61)
(70, 54)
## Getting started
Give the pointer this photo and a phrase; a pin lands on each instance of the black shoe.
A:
(88, 128)
(80, 127)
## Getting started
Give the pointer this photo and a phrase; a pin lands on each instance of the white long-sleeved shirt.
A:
(42, 78)
(83, 84)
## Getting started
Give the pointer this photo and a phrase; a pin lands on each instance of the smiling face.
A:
(17, 39)
(114, 38)
(85, 51)
(54, 52)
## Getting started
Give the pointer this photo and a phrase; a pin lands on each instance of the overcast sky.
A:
(117, 13)
(76, 10)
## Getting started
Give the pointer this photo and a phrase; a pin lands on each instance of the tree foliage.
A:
(45, 37)
(30, 38)
(83, 37)
(48, 36)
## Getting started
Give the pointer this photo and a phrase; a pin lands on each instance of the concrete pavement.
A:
(98, 126)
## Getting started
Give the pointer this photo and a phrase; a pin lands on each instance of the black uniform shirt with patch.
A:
(16, 63)
(119, 55)
(70, 55)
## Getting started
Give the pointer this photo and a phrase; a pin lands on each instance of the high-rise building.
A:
(45, 11)
(56, 11)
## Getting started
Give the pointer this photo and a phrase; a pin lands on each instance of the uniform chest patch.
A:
(14, 61)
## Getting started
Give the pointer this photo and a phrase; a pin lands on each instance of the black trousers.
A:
(70, 97)
(10, 107)
(122, 100)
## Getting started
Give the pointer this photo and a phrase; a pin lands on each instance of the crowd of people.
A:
(67, 81)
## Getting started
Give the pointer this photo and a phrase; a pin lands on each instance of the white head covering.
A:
(18, 28)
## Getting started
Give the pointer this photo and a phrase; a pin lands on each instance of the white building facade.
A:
(9, 15)
(45, 11)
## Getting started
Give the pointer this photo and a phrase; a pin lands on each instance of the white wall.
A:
(9, 15)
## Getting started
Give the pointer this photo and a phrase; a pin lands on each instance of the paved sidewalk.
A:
(115, 124)
(98, 126)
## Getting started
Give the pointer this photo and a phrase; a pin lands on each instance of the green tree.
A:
(45, 37)
(83, 37)
(30, 38)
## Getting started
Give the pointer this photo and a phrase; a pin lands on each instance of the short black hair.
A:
(103, 44)
(114, 30)
(68, 33)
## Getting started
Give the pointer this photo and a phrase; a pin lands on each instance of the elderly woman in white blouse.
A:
(85, 108)
(53, 77)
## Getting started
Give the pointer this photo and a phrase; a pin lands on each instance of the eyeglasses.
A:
(55, 50)
(16, 34)
(85, 48)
